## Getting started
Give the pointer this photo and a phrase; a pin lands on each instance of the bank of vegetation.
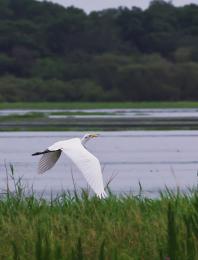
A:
(78, 227)
(52, 53)
(77, 106)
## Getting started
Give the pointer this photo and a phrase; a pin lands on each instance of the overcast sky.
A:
(90, 5)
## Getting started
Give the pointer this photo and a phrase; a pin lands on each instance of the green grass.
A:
(28, 116)
(98, 105)
(115, 228)
(79, 113)
(79, 227)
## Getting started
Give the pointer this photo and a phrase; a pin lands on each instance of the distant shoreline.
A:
(98, 105)
(82, 116)
(110, 124)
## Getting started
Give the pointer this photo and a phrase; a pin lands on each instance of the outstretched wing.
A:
(88, 164)
(48, 160)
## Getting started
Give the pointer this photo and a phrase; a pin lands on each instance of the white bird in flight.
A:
(86, 162)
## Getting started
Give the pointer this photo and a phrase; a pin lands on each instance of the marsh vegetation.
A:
(76, 226)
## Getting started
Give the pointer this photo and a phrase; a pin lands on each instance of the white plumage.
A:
(86, 162)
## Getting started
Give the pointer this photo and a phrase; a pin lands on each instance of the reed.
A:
(83, 227)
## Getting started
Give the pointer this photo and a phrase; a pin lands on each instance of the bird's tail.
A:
(39, 153)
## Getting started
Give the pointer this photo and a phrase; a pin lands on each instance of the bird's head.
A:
(88, 137)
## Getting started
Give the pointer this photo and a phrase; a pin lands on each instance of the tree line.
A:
(52, 53)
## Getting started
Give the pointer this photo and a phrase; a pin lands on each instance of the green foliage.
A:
(52, 53)
(81, 227)
(125, 227)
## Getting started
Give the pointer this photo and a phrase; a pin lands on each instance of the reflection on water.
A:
(154, 158)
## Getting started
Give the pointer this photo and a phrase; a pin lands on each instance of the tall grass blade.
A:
(172, 234)
(15, 251)
(38, 245)
(79, 250)
(102, 253)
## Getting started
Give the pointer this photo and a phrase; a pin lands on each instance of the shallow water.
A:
(154, 158)
(129, 113)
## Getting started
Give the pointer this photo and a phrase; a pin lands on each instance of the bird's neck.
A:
(84, 141)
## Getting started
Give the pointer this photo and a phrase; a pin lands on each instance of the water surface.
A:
(129, 113)
(154, 158)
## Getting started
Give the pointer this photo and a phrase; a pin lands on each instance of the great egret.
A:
(86, 162)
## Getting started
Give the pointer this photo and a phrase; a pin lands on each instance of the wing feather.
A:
(88, 164)
(48, 160)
